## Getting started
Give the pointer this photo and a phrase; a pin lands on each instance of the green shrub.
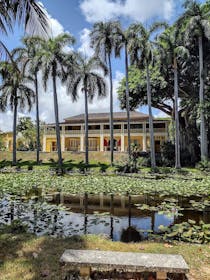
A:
(204, 165)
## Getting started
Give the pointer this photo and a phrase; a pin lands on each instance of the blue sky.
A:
(77, 17)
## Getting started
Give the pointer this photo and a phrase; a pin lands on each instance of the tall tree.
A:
(197, 23)
(170, 52)
(15, 93)
(31, 65)
(28, 13)
(104, 37)
(141, 54)
(91, 83)
(123, 43)
(53, 60)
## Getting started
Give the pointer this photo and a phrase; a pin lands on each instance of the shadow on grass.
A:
(68, 165)
(25, 256)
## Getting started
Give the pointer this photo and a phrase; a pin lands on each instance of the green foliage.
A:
(187, 232)
(168, 154)
(2, 147)
(12, 182)
(138, 87)
(16, 227)
(204, 165)
(28, 130)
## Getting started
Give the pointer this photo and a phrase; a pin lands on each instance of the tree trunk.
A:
(111, 112)
(14, 159)
(57, 124)
(151, 129)
(127, 102)
(203, 136)
(86, 128)
(177, 137)
(37, 121)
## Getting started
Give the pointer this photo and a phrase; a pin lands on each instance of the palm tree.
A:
(5, 17)
(52, 59)
(104, 37)
(15, 93)
(170, 52)
(28, 13)
(197, 23)
(141, 53)
(27, 56)
(87, 79)
(123, 44)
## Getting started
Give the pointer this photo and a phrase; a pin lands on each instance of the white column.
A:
(144, 148)
(101, 138)
(63, 143)
(122, 142)
(82, 139)
(82, 143)
(44, 143)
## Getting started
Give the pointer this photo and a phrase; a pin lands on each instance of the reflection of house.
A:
(73, 132)
(7, 140)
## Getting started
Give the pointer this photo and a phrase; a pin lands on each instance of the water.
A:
(44, 218)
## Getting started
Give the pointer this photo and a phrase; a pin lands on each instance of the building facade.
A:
(73, 133)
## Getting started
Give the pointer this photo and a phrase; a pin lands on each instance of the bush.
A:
(168, 154)
(204, 165)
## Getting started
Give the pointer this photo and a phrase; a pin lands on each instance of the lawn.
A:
(27, 257)
(95, 157)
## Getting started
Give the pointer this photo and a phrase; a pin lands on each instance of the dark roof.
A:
(100, 117)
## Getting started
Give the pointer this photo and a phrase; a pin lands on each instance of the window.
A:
(158, 125)
(134, 126)
(94, 127)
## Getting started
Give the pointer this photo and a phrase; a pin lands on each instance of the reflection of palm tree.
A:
(85, 75)
(103, 40)
(14, 93)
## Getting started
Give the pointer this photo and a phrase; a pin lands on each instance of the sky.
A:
(77, 17)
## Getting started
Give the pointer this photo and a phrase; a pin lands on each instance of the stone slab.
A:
(125, 261)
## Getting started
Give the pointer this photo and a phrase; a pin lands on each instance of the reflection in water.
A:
(42, 218)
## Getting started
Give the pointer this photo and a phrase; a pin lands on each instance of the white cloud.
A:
(143, 10)
(85, 43)
(66, 106)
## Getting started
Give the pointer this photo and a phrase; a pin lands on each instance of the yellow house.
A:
(73, 132)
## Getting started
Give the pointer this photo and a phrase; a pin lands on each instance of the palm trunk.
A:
(37, 121)
(177, 136)
(203, 136)
(86, 128)
(14, 160)
(111, 111)
(127, 102)
(57, 124)
(151, 129)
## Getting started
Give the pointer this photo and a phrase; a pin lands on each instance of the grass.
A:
(26, 257)
(95, 157)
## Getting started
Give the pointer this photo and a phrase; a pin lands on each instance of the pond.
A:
(126, 224)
